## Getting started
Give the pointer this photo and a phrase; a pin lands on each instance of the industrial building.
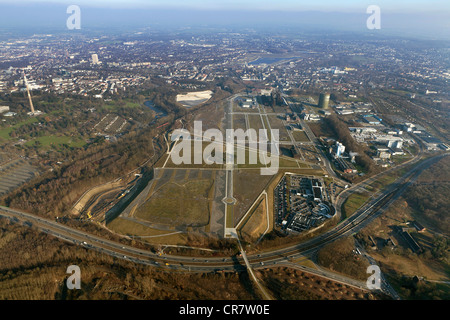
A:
(317, 189)
(372, 119)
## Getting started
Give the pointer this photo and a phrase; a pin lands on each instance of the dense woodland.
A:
(33, 266)
(412, 288)
(338, 256)
(54, 192)
(428, 197)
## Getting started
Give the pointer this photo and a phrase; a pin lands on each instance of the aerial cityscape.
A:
(193, 159)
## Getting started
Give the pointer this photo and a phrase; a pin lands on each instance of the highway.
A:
(211, 264)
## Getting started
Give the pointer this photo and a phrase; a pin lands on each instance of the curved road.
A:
(350, 225)
(357, 221)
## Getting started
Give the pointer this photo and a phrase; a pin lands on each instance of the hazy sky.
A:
(398, 6)
(429, 18)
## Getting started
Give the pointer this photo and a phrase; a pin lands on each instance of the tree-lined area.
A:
(428, 197)
(33, 266)
(71, 156)
(339, 256)
(422, 211)
(54, 192)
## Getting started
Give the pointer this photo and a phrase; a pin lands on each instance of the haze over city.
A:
(425, 19)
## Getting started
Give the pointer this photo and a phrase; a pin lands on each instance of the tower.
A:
(324, 99)
(28, 92)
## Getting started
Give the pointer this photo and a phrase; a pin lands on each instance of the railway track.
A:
(357, 220)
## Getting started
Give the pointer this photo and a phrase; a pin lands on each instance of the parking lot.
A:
(300, 203)
(14, 172)
(110, 124)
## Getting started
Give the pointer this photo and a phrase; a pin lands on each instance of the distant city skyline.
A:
(413, 18)
(389, 6)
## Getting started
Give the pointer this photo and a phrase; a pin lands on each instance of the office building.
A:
(95, 58)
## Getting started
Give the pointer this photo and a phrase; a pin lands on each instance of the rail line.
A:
(213, 263)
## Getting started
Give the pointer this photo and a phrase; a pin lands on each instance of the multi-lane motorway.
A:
(208, 264)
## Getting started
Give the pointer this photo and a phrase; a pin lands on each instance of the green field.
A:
(4, 132)
(400, 158)
(381, 183)
(255, 122)
(44, 141)
(230, 217)
(179, 204)
(353, 203)
(399, 92)
(300, 136)
(53, 140)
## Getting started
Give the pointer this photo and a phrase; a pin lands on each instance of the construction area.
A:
(96, 203)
